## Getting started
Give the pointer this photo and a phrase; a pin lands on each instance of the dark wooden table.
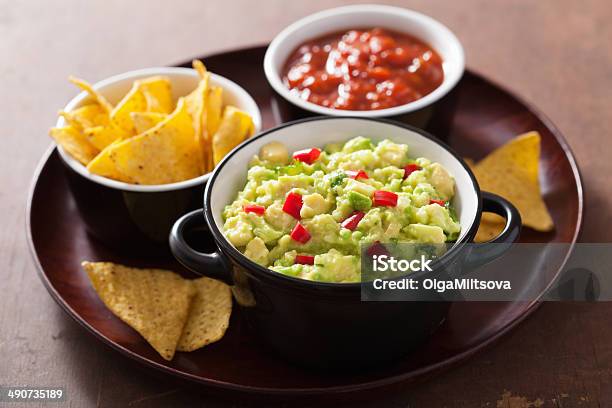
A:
(555, 53)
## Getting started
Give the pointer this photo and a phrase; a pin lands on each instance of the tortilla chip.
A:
(470, 162)
(75, 143)
(102, 136)
(87, 116)
(157, 92)
(200, 68)
(512, 172)
(243, 296)
(166, 153)
(111, 131)
(150, 94)
(102, 165)
(196, 103)
(133, 101)
(97, 96)
(209, 314)
(491, 225)
(235, 127)
(214, 109)
(154, 302)
(144, 121)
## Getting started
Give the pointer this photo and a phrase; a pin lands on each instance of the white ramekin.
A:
(315, 25)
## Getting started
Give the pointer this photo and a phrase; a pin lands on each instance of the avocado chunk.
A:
(332, 148)
(356, 144)
(359, 201)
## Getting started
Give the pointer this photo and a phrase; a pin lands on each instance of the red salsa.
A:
(363, 70)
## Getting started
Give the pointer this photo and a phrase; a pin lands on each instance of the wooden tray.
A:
(485, 116)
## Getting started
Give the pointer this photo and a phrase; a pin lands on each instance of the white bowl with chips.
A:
(183, 81)
(132, 217)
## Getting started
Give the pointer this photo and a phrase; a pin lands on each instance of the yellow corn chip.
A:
(87, 116)
(157, 91)
(209, 314)
(196, 106)
(102, 136)
(235, 127)
(133, 101)
(491, 225)
(144, 121)
(200, 68)
(214, 108)
(112, 130)
(75, 143)
(470, 162)
(166, 153)
(213, 113)
(512, 172)
(195, 101)
(99, 129)
(97, 96)
(154, 302)
(102, 165)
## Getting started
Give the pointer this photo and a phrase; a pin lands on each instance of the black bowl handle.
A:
(484, 253)
(213, 264)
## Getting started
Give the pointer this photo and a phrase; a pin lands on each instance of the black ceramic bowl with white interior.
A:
(290, 106)
(139, 217)
(327, 324)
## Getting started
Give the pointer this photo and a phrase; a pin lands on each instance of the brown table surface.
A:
(554, 53)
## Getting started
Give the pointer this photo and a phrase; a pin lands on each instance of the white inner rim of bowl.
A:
(232, 175)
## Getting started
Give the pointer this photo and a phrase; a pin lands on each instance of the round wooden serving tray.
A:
(483, 117)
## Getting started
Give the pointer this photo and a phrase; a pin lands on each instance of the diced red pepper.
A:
(352, 221)
(409, 169)
(385, 198)
(356, 174)
(439, 202)
(307, 156)
(254, 208)
(377, 249)
(304, 259)
(293, 205)
(300, 234)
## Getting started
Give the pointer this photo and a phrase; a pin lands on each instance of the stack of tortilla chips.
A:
(146, 138)
(170, 312)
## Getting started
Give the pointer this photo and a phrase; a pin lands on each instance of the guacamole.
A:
(308, 215)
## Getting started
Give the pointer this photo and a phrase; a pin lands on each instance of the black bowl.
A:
(140, 215)
(327, 324)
